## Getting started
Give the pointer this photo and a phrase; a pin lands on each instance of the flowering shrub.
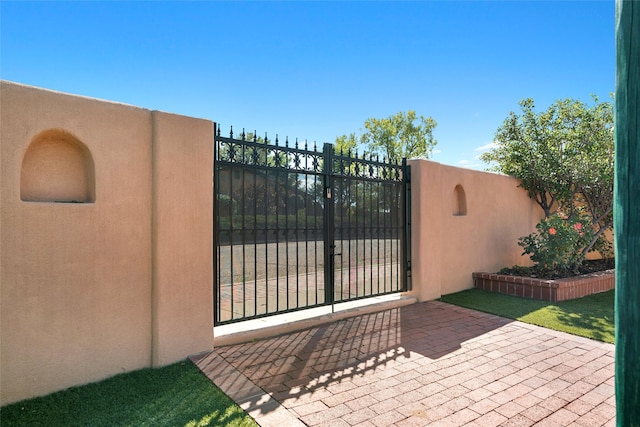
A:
(557, 247)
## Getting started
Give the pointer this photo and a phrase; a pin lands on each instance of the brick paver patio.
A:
(424, 364)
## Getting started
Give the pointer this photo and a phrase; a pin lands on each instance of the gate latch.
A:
(333, 247)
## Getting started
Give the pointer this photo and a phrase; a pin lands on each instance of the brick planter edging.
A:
(545, 289)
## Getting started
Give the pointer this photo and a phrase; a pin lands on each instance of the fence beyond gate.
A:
(298, 228)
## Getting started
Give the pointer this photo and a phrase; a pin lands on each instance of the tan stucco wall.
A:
(88, 290)
(183, 237)
(447, 248)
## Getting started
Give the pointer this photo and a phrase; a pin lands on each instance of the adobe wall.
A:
(105, 247)
(464, 221)
(106, 243)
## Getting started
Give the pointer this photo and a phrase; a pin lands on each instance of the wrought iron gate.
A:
(298, 228)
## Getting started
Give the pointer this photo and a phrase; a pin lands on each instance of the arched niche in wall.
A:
(459, 201)
(57, 167)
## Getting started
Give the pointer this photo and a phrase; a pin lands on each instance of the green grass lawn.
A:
(591, 316)
(176, 395)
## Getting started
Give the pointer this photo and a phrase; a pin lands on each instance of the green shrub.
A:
(557, 247)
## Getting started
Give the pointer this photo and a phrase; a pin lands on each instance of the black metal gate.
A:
(298, 228)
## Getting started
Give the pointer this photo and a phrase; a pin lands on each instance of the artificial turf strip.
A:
(176, 395)
(591, 316)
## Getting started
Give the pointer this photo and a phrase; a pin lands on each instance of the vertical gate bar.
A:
(315, 236)
(286, 230)
(395, 285)
(244, 237)
(306, 227)
(389, 219)
(408, 211)
(385, 188)
(371, 234)
(336, 187)
(216, 229)
(342, 236)
(381, 234)
(364, 237)
(406, 218)
(377, 220)
(349, 225)
(385, 235)
(266, 234)
(389, 234)
(277, 233)
(338, 203)
(395, 280)
(385, 203)
(339, 200)
(394, 240)
(255, 238)
(297, 242)
(355, 212)
(388, 247)
(399, 228)
(396, 235)
(305, 233)
(349, 237)
(328, 223)
(378, 239)
(335, 195)
(232, 298)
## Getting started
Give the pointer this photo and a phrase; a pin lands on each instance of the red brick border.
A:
(546, 290)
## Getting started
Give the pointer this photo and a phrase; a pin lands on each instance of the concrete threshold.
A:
(249, 330)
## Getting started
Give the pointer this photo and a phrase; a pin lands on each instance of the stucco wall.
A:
(84, 285)
(448, 246)
(182, 237)
(106, 243)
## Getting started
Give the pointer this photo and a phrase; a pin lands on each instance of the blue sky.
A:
(316, 70)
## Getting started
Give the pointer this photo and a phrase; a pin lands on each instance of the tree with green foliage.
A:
(563, 157)
(346, 143)
(402, 135)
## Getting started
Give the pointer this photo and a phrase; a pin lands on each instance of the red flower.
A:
(552, 231)
(577, 226)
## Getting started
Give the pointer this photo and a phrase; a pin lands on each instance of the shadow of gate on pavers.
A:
(297, 228)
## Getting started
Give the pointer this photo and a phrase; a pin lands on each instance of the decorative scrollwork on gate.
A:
(348, 165)
(253, 150)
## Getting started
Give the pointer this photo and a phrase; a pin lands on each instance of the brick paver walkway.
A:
(424, 364)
